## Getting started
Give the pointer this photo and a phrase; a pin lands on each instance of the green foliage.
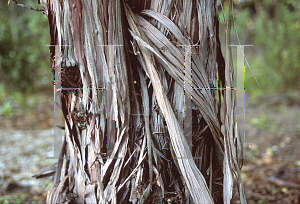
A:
(275, 30)
(297, 163)
(264, 122)
(6, 109)
(278, 33)
(14, 199)
(23, 54)
(221, 17)
(273, 27)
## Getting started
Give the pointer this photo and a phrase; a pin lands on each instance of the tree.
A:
(134, 60)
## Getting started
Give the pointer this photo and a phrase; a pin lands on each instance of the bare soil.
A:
(271, 171)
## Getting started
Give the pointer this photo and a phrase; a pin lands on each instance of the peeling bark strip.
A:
(147, 128)
(127, 60)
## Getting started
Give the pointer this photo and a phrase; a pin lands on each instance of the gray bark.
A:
(133, 101)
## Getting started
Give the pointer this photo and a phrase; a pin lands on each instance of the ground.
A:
(271, 171)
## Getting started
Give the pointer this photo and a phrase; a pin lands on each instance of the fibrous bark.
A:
(129, 57)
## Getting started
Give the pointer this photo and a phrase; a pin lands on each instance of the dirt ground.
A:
(271, 171)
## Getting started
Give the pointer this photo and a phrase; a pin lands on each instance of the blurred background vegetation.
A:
(272, 26)
(24, 58)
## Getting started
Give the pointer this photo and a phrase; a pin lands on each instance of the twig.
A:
(28, 7)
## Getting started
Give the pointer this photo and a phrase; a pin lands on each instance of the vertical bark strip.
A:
(230, 158)
(145, 99)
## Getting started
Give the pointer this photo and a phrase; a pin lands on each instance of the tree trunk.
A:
(127, 137)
